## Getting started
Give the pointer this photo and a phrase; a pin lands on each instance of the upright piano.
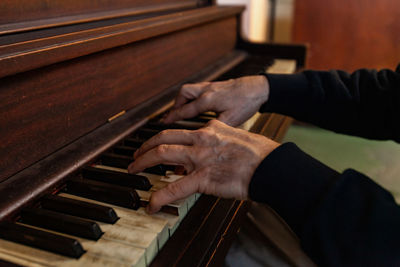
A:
(82, 85)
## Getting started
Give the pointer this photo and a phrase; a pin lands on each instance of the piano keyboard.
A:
(98, 218)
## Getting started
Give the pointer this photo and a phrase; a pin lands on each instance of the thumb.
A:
(188, 110)
(180, 189)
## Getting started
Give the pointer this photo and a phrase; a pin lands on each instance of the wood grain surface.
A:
(349, 34)
(25, 10)
(47, 108)
(35, 49)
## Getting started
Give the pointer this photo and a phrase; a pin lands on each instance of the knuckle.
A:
(162, 134)
(161, 150)
(207, 96)
(202, 135)
(213, 88)
(214, 123)
(184, 89)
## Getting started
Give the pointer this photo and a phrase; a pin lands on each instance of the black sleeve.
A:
(341, 219)
(365, 103)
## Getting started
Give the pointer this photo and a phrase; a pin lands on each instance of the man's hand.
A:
(219, 160)
(235, 100)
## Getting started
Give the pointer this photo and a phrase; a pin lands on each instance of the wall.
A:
(283, 21)
(255, 19)
(349, 34)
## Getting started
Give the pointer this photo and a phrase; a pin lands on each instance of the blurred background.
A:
(345, 34)
(340, 34)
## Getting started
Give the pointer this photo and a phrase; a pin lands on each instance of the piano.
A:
(82, 85)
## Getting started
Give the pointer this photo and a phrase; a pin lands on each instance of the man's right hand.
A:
(220, 160)
(235, 100)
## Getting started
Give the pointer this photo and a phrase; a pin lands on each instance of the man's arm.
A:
(365, 103)
(341, 219)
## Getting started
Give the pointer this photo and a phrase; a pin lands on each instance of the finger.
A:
(189, 92)
(178, 137)
(190, 110)
(180, 189)
(163, 154)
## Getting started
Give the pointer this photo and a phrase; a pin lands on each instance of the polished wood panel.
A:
(25, 10)
(59, 103)
(212, 221)
(349, 34)
(27, 51)
(47, 175)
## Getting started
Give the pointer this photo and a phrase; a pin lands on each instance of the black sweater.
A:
(342, 219)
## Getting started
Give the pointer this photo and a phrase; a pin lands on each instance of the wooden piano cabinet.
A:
(65, 71)
(202, 233)
(20, 11)
(56, 104)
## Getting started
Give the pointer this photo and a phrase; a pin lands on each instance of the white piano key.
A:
(159, 223)
(159, 182)
(171, 177)
(132, 236)
(181, 206)
(113, 245)
(191, 201)
(32, 257)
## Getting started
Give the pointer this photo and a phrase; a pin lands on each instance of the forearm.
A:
(365, 103)
(341, 219)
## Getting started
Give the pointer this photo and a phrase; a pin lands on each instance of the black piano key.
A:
(115, 160)
(124, 150)
(40, 239)
(134, 142)
(112, 194)
(145, 133)
(117, 178)
(161, 126)
(120, 161)
(62, 223)
(79, 208)
(8, 264)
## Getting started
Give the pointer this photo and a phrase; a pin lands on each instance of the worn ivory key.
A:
(114, 246)
(138, 219)
(159, 182)
(32, 257)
